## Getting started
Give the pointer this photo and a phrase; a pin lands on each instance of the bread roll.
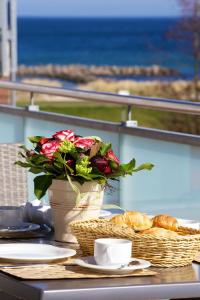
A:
(160, 232)
(137, 220)
(165, 221)
(133, 219)
(118, 219)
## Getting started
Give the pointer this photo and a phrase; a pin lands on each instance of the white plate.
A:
(23, 227)
(28, 252)
(89, 262)
(105, 213)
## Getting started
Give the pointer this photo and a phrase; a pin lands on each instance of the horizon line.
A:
(100, 17)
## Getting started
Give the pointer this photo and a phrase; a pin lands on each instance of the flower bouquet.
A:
(67, 156)
(76, 170)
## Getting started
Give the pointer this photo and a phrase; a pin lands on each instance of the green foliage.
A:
(129, 169)
(22, 164)
(41, 185)
(146, 166)
(105, 147)
(58, 159)
(34, 139)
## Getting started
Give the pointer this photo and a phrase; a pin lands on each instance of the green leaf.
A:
(22, 154)
(51, 169)
(145, 166)
(104, 148)
(41, 184)
(58, 156)
(129, 167)
(35, 170)
(22, 164)
(62, 161)
(95, 176)
(69, 169)
(102, 181)
(58, 166)
(34, 139)
(114, 165)
(38, 159)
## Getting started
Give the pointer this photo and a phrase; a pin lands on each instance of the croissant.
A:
(160, 232)
(133, 219)
(166, 222)
(118, 219)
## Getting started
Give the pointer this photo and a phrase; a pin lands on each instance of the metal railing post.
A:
(129, 122)
(32, 106)
(129, 112)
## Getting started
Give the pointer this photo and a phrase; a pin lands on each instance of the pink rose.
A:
(84, 143)
(49, 148)
(111, 156)
(64, 135)
(102, 164)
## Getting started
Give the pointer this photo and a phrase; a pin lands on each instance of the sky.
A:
(98, 8)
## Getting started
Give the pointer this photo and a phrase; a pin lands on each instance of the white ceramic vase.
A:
(63, 198)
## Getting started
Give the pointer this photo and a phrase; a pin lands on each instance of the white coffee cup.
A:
(111, 251)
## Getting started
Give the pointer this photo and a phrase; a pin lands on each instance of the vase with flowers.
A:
(75, 170)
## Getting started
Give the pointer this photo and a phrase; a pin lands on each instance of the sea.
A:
(103, 41)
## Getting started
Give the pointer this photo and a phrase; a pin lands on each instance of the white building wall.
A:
(8, 49)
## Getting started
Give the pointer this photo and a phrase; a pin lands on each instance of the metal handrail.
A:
(162, 104)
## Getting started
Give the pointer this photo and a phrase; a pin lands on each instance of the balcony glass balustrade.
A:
(173, 186)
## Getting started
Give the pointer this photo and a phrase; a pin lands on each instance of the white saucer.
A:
(89, 262)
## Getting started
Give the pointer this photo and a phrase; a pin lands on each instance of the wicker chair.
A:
(13, 179)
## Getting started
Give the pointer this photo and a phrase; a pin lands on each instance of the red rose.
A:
(64, 135)
(84, 143)
(102, 165)
(49, 148)
(111, 155)
(70, 163)
(43, 140)
(107, 170)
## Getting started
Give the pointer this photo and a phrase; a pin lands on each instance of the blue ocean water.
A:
(101, 41)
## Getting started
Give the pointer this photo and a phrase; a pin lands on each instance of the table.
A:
(176, 283)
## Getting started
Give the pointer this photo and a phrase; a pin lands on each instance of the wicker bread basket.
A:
(161, 252)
